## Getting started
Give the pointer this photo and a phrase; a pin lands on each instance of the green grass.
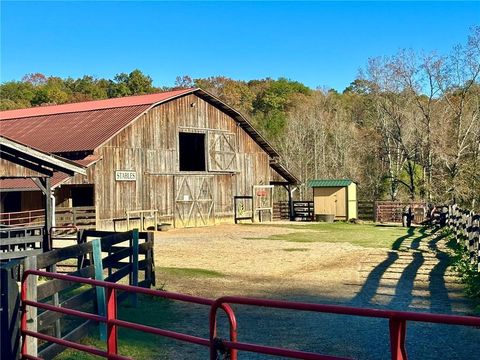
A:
(366, 235)
(295, 249)
(190, 272)
(134, 344)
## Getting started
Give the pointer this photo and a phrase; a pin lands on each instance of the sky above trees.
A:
(318, 44)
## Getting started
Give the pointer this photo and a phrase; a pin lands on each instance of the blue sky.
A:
(317, 43)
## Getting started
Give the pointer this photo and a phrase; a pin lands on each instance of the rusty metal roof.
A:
(87, 125)
(69, 132)
(93, 105)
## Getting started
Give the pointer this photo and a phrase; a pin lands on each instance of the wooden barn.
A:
(336, 197)
(179, 157)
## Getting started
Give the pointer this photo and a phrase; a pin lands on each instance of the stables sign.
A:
(125, 175)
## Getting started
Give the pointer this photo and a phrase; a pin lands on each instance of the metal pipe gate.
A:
(397, 321)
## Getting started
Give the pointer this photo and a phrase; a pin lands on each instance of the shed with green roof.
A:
(335, 197)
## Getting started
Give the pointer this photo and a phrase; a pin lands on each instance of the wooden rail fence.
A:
(465, 225)
(123, 260)
(17, 242)
(81, 216)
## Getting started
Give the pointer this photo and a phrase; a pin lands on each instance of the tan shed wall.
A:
(330, 200)
(352, 201)
(341, 201)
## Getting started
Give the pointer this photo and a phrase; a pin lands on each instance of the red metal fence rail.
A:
(111, 317)
(397, 321)
(397, 324)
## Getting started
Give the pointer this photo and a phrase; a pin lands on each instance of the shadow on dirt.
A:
(412, 259)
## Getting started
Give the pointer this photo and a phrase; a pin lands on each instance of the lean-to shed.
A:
(335, 196)
(184, 154)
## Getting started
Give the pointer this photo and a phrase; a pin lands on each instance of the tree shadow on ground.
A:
(406, 262)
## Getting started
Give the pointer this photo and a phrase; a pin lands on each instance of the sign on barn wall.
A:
(125, 175)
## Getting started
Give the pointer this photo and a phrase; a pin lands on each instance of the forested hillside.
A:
(407, 127)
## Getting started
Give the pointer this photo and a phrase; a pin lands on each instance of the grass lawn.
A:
(366, 235)
(190, 272)
(134, 344)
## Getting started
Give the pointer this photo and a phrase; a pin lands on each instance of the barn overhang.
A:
(288, 178)
(39, 163)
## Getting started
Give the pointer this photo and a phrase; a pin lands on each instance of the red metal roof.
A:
(92, 105)
(77, 127)
(68, 132)
(85, 126)
(20, 184)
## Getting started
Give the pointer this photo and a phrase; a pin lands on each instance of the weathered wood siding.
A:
(149, 146)
(10, 169)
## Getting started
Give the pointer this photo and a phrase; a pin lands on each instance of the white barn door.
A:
(194, 201)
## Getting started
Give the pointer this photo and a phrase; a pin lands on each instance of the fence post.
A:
(397, 339)
(112, 346)
(9, 314)
(100, 291)
(134, 265)
(31, 314)
(150, 266)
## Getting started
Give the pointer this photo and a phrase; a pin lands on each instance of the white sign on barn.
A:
(125, 175)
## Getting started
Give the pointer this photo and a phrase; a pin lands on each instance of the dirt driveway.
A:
(248, 264)
(241, 260)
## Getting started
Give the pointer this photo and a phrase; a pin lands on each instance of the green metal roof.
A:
(329, 183)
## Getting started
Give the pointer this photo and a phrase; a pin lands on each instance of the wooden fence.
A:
(366, 210)
(391, 211)
(82, 217)
(118, 264)
(281, 210)
(17, 242)
(303, 210)
(465, 225)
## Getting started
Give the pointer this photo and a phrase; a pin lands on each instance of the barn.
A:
(179, 156)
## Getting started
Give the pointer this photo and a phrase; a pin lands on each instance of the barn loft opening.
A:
(192, 151)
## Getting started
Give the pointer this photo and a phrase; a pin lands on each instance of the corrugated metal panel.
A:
(329, 182)
(93, 105)
(28, 184)
(77, 131)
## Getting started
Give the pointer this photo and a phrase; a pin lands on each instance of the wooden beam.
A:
(27, 164)
(43, 158)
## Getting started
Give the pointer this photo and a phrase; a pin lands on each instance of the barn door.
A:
(194, 205)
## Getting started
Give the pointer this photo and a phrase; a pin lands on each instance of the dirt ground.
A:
(415, 277)
(253, 266)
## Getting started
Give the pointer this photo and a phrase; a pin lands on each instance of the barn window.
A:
(222, 151)
(192, 151)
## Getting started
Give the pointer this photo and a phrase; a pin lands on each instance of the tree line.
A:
(407, 128)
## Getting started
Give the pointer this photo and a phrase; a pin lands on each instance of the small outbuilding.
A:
(336, 197)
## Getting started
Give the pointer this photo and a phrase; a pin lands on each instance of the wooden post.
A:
(134, 264)
(9, 314)
(150, 266)
(100, 291)
(32, 343)
(291, 215)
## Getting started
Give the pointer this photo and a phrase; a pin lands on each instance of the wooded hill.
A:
(407, 128)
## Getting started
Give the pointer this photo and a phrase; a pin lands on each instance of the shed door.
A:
(194, 205)
(341, 203)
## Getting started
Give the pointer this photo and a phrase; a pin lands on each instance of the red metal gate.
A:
(397, 321)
